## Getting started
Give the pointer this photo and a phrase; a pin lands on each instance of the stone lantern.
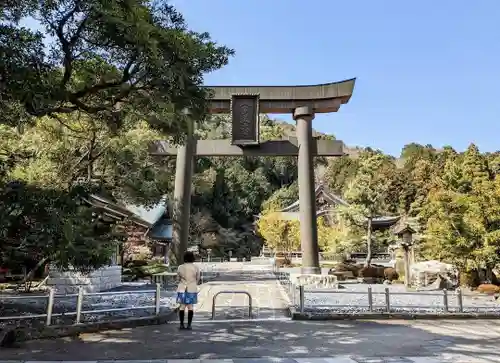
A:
(405, 233)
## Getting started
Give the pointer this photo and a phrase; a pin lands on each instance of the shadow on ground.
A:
(224, 312)
(479, 339)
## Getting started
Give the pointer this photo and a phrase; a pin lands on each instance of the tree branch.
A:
(127, 75)
(67, 45)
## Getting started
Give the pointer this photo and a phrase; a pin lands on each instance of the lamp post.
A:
(405, 233)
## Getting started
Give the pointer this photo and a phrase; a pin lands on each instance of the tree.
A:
(60, 154)
(282, 197)
(462, 214)
(326, 235)
(449, 233)
(475, 168)
(54, 158)
(367, 192)
(46, 225)
(107, 58)
(279, 234)
(340, 172)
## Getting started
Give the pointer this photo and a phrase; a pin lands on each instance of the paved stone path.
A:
(255, 341)
(337, 359)
(269, 300)
(444, 341)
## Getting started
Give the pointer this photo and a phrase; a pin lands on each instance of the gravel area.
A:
(353, 298)
(138, 296)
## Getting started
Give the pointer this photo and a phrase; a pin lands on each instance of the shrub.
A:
(469, 278)
(369, 271)
(283, 262)
(143, 269)
(137, 252)
(136, 263)
(345, 266)
(489, 289)
(373, 271)
(391, 274)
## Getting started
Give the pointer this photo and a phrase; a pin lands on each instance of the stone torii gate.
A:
(245, 103)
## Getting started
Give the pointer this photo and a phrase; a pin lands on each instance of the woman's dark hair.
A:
(189, 257)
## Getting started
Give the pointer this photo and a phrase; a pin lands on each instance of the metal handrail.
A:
(233, 292)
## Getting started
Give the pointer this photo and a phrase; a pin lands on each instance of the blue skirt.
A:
(187, 298)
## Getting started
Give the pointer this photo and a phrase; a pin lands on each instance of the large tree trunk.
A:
(369, 243)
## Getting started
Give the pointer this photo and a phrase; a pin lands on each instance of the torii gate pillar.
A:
(307, 199)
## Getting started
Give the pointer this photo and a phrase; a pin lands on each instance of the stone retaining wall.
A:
(68, 282)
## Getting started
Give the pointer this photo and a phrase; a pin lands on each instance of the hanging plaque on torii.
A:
(245, 120)
(245, 104)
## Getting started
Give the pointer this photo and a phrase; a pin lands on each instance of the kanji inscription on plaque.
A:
(245, 119)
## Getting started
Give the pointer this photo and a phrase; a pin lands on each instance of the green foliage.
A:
(340, 172)
(143, 269)
(368, 189)
(279, 235)
(462, 215)
(80, 103)
(107, 58)
(77, 116)
(283, 197)
(52, 226)
(61, 154)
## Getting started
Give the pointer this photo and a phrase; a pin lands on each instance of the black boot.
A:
(181, 319)
(190, 318)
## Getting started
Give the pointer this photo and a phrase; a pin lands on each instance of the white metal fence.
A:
(79, 311)
(384, 301)
(163, 282)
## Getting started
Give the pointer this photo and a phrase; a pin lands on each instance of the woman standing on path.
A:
(187, 291)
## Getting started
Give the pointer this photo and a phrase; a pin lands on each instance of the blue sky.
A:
(427, 71)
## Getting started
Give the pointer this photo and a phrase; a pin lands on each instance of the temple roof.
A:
(322, 192)
(159, 228)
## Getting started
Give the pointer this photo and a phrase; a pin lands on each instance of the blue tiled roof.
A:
(150, 215)
(161, 230)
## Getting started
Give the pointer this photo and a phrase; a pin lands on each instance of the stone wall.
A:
(68, 282)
